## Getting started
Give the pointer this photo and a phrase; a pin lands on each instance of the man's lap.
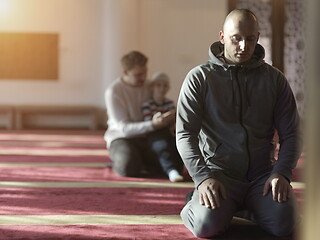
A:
(240, 196)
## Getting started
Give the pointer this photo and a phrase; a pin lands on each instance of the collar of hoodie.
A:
(216, 53)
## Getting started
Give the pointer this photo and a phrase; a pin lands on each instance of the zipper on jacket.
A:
(241, 112)
(232, 86)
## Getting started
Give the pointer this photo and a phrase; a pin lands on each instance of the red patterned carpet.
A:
(54, 185)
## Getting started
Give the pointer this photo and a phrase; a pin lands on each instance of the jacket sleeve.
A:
(286, 119)
(119, 120)
(188, 125)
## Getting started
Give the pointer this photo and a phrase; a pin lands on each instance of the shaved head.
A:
(240, 15)
(240, 35)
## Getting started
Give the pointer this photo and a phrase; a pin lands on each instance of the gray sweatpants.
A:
(130, 156)
(276, 218)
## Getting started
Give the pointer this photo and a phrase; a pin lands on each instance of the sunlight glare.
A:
(3, 6)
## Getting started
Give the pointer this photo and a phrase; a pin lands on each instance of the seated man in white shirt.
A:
(126, 133)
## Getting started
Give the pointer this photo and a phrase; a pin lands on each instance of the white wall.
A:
(177, 35)
(121, 34)
(78, 22)
(94, 34)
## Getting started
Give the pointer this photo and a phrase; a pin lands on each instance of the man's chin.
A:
(138, 84)
(242, 60)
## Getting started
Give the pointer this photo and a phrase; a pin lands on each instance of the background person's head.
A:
(159, 84)
(134, 66)
(240, 35)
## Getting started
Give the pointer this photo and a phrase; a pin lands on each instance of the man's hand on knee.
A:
(280, 187)
(210, 191)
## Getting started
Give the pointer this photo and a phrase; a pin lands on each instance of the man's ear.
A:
(221, 35)
(125, 72)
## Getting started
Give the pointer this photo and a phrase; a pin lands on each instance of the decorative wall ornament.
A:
(29, 56)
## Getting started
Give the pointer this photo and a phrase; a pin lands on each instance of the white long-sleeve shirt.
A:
(125, 118)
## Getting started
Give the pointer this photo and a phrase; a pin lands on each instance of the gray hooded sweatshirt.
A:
(227, 116)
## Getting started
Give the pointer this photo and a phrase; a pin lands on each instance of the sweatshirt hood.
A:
(216, 52)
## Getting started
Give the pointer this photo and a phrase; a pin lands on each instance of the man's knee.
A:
(282, 230)
(125, 165)
(205, 223)
(125, 160)
(285, 221)
(209, 229)
(125, 170)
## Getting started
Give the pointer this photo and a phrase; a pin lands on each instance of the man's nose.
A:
(163, 87)
(243, 44)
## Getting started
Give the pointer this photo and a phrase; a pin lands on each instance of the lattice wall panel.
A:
(263, 10)
(294, 51)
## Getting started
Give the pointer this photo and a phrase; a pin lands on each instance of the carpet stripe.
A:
(53, 152)
(62, 137)
(89, 219)
(66, 164)
(42, 144)
(108, 184)
(55, 164)
(95, 184)
(300, 185)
